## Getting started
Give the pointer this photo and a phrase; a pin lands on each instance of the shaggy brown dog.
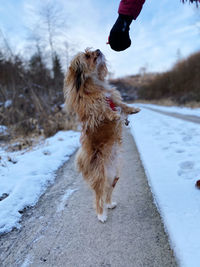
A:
(100, 111)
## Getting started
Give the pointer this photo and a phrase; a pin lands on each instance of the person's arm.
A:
(130, 8)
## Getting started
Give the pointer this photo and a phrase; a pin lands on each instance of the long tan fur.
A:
(86, 92)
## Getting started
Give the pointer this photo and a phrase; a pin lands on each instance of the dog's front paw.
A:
(131, 110)
(102, 217)
(114, 116)
(134, 110)
(111, 205)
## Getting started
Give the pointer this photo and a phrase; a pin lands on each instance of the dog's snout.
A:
(98, 52)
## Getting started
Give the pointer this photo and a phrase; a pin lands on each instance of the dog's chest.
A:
(109, 101)
(107, 94)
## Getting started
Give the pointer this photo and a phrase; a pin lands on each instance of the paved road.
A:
(62, 230)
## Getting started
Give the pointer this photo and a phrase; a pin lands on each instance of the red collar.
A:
(110, 102)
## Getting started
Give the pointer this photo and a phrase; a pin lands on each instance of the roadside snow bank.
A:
(179, 110)
(170, 152)
(26, 175)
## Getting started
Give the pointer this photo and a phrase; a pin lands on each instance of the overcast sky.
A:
(164, 31)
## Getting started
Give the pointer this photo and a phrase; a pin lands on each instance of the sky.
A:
(164, 31)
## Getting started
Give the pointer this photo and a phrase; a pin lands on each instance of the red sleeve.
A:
(130, 7)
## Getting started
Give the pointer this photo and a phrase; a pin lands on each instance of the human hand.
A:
(119, 38)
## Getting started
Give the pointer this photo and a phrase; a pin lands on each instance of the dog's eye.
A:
(87, 56)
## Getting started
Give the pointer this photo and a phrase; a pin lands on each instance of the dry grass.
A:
(31, 97)
(130, 85)
(31, 116)
(181, 84)
(34, 112)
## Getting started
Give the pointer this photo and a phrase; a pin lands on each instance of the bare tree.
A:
(8, 51)
(50, 17)
(48, 29)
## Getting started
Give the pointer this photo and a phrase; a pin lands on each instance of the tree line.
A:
(31, 86)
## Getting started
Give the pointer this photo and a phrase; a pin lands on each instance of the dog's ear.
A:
(78, 69)
(80, 77)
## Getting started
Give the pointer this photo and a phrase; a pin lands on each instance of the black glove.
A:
(119, 38)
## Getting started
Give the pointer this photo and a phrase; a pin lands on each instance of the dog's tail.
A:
(98, 175)
(92, 167)
(93, 171)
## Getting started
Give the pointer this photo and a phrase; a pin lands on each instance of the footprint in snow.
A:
(187, 165)
(180, 150)
(185, 169)
(187, 138)
(165, 148)
(173, 142)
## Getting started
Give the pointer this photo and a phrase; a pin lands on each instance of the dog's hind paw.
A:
(102, 217)
(111, 205)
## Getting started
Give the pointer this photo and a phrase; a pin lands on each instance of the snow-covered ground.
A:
(180, 110)
(170, 152)
(25, 176)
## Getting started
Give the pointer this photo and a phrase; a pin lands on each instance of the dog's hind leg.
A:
(100, 205)
(109, 203)
(115, 181)
(98, 185)
(101, 208)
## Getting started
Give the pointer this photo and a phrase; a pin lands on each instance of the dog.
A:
(101, 113)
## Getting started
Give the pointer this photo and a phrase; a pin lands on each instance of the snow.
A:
(172, 109)
(27, 174)
(27, 261)
(64, 199)
(8, 103)
(3, 129)
(63, 105)
(170, 152)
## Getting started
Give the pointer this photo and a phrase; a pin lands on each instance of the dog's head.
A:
(86, 65)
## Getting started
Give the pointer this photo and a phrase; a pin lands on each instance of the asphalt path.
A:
(63, 230)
